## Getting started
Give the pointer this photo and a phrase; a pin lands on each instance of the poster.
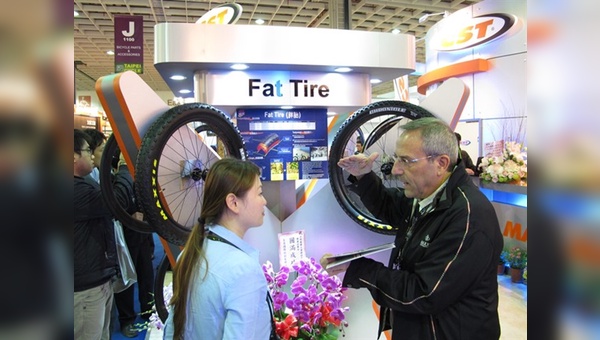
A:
(286, 144)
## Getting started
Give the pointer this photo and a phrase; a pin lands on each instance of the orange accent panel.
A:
(168, 252)
(388, 335)
(132, 128)
(332, 123)
(454, 70)
(309, 189)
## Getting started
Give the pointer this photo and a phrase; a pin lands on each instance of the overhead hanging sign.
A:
(129, 44)
(222, 15)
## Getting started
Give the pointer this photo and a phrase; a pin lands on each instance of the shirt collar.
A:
(429, 199)
(234, 239)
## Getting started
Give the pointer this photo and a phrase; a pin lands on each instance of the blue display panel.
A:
(519, 200)
(286, 144)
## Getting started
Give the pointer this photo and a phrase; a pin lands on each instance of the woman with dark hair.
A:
(219, 289)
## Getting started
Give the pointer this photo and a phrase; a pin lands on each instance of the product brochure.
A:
(347, 257)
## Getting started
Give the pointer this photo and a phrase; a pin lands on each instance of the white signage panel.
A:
(277, 88)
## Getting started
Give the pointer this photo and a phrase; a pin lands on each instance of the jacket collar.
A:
(458, 177)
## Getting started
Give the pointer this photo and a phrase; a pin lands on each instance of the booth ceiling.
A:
(94, 34)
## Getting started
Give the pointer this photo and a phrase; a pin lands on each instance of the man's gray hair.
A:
(438, 138)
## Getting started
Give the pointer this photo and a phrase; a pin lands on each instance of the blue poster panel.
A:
(286, 144)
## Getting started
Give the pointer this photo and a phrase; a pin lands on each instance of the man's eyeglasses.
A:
(407, 162)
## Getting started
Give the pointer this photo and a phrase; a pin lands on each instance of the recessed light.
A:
(259, 21)
(375, 81)
(184, 91)
(239, 67)
(395, 31)
(343, 69)
(178, 77)
(110, 52)
(75, 13)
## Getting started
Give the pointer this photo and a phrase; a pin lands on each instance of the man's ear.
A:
(232, 202)
(444, 162)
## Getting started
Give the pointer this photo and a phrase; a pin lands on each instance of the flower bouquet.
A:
(517, 258)
(508, 167)
(314, 308)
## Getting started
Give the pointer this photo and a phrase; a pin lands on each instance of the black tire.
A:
(173, 162)
(111, 152)
(380, 123)
(159, 284)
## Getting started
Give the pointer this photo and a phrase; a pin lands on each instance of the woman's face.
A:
(254, 203)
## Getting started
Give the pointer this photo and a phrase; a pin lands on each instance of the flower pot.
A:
(501, 269)
(516, 275)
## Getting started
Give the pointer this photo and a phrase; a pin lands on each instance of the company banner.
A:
(286, 144)
(129, 44)
(513, 224)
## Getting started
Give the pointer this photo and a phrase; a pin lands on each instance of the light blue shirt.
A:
(231, 300)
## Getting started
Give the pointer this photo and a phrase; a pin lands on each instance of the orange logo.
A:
(477, 31)
(514, 231)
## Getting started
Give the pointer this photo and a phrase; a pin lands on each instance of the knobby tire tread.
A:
(151, 148)
(343, 135)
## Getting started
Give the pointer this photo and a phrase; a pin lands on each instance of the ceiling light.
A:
(426, 16)
(110, 52)
(239, 67)
(184, 91)
(75, 13)
(259, 21)
(395, 31)
(343, 69)
(178, 77)
(375, 81)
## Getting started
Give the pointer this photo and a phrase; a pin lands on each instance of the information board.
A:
(286, 144)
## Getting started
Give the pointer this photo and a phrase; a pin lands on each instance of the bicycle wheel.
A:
(159, 291)
(110, 154)
(173, 162)
(381, 124)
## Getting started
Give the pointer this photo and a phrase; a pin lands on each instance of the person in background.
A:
(469, 166)
(97, 143)
(441, 281)
(220, 291)
(359, 146)
(141, 249)
(95, 259)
